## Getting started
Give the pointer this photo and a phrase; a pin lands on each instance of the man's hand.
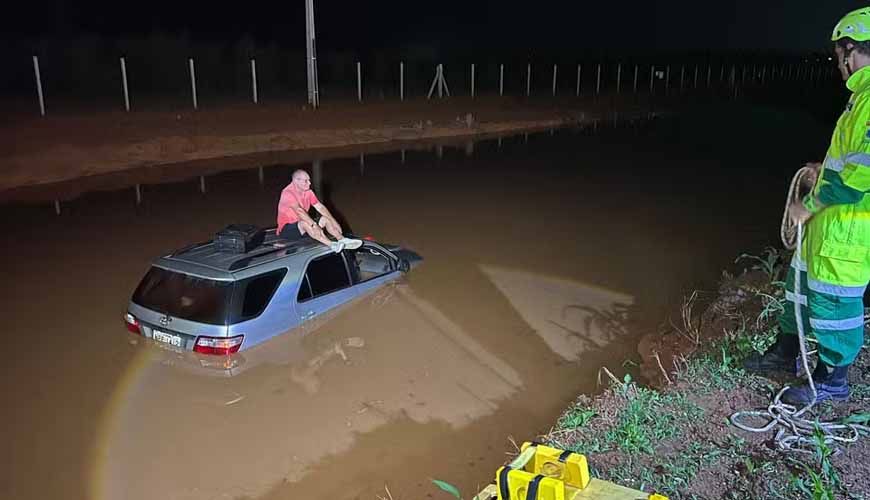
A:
(327, 220)
(799, 213)
(809, 179)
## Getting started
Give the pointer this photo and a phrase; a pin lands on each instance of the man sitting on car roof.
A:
(294, 223)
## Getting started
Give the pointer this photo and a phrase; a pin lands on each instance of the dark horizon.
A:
(781, 26)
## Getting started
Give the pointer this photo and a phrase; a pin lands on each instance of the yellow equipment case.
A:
(545, 473)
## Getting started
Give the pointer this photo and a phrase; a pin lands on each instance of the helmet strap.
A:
(846, 54)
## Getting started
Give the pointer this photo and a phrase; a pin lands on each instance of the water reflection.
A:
(302, 397)
(570, 317)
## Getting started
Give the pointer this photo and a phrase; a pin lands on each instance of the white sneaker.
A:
(336, 246)
(350, 243)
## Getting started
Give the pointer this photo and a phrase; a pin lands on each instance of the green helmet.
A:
(854, 25)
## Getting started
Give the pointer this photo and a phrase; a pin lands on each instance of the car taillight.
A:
(132, 324)
(218, 345)
(368, 237)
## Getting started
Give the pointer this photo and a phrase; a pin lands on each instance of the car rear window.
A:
(184, 296)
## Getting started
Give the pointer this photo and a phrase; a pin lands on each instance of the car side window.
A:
(367, 263)
(304, 290)
(326, 274)
(259, 291)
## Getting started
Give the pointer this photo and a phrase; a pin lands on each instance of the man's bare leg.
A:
(331, 227)
(316, 232)
(334, 229)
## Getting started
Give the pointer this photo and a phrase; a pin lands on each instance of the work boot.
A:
(782, 356)
(832, 383)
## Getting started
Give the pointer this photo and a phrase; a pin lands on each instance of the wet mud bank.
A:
(58, 148)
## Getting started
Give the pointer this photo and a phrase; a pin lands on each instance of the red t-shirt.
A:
(290, 198)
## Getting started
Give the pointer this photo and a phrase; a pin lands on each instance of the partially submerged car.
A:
(211, 298)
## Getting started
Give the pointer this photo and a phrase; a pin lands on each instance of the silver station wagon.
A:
(213, 298)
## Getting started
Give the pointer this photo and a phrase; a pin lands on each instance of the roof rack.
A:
(205, 254)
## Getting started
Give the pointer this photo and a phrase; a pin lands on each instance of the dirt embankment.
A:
(35, 150)
(677, 437)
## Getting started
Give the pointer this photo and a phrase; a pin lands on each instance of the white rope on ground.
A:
(796, 433)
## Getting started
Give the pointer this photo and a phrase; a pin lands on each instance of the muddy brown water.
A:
(545, 259)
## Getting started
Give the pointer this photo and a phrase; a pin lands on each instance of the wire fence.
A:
(163, 72)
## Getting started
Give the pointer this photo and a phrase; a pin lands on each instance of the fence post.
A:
(358, 81)
(682, 74)
(472, 80)
(634, 85)
(618, 77)
(652, 73)
(709, 73)
(193, 82)
(528, 79)
(579, 67)
(501, 79)
(254, 79)
(402, 81)
(554, 80)
(598, 80)
(124, 82)
(695, 79)
(39, 85)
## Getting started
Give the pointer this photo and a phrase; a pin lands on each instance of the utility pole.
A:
(311, 53)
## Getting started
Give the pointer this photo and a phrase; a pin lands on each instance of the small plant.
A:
(576, 417)
(771, 307)
(648, 417)
(770, 262)
(449, 488)
(824, 482)
(690, 328)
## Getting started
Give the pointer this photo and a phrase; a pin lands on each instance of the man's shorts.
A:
(290, 231)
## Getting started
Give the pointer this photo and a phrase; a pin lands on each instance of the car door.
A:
(325, 285)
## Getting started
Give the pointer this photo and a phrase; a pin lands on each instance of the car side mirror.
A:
(404, 265)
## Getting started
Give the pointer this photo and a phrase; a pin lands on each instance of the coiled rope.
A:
(800, 185)
(796, 433)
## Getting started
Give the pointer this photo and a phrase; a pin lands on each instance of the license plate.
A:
(173, 340)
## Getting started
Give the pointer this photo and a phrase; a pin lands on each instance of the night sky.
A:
(678, 24)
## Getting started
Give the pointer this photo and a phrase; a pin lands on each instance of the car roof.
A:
(204, 259)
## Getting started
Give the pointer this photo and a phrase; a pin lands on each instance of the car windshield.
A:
(184, 296)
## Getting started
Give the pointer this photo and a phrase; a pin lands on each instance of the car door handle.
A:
(308, 315)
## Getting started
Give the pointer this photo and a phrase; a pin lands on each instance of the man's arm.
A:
(847, 179)
(288, 203)
(322, 210)
(303, 215)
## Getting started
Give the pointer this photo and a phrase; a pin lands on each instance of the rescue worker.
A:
(834, 267)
